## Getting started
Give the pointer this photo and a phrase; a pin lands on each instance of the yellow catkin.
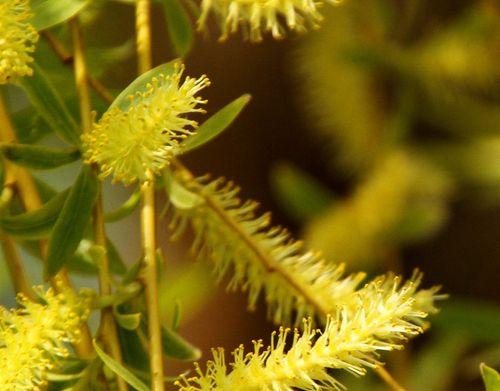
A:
(255, 17)
(142, 139)
(385, 315)
(36, 335)
(403, 200)
(360, 229)
(17, 39)
(264, 260)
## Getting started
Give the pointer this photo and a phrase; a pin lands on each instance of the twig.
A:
(148, 228)
(108, 331)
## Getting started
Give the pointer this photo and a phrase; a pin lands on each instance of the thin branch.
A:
(148, 227)
(67, 58)
(108, 330)
(11, 256)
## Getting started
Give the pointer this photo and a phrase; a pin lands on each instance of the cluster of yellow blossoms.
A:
(140, 141)
(17, 39)
(34, 336)
(256, 17)
(386, 314)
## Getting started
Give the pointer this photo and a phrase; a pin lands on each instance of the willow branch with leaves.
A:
(138, 139)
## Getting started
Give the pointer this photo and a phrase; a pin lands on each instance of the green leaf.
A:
(134, 354)
(127, 321)
(478, 320)
(132, 272)
(298, 193)
(179, 196)
(50, 106)
(51, 12)
(70, 226)
(38, 157)
(82, 260)
(119, 369)
(125, 209)
(180, 29)
(216, 124)
(30, 127)
(491, 378)
(122, 101)
(36, 224)
(176, 317)
(116, 264)
(175, 346)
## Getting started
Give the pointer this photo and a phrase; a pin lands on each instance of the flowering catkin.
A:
(139, 142)
(385, 316)
(255, 17)
(17, 39)
(263, 259)
(34, 336)
(403, 200)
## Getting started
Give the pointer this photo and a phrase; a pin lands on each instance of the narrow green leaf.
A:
(301, 195)
(82, 260)
(176, 317)
(119, 369)
(116, 264)
(178, 195)
(123, 294)
(133, 351)
(180, 29)
(125, 209)
(216, 124)
(70, 226)
(39, 158)
(175, 346)
(122, 101)
(36, 224)
(127, 321)
(50, 106)
(132, 273)
(30, 127)
(51, 12)
(491, 378)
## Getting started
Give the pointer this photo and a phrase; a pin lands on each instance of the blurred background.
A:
(376, 139)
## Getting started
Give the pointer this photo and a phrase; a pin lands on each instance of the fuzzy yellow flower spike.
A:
(35, 336)
(255, 17)
(134, 144)
(17, 39)
(385, 316)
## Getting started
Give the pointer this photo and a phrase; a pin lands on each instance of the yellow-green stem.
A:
(148, 228)
(150, 281)
(143, 31)
(11, 256)
(389, 380)
(108, 331)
